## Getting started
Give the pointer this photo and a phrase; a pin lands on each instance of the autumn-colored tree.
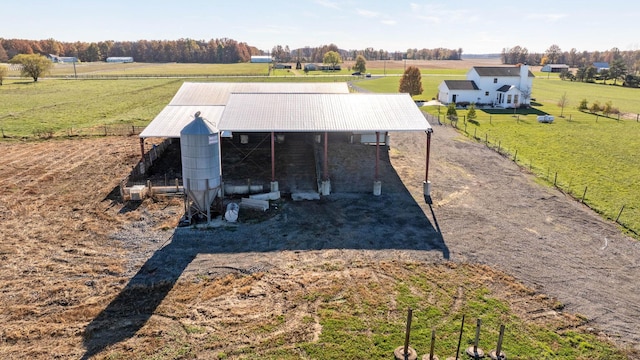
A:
(3, 54)
(33, 65)
(411, 81)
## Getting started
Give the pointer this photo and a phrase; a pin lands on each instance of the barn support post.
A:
(427, 184)
(274, 183)
(142, 148)
(377, 184)
(377, 154)
(273, 156)
(326, 183)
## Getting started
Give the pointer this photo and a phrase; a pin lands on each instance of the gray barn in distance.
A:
(201, 164)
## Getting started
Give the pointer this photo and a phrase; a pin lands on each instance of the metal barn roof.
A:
(172, 119)
(322, 112)
(191, 93)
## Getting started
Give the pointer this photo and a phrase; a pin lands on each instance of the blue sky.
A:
(478, 27)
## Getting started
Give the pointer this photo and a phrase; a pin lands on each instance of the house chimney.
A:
(525, 84)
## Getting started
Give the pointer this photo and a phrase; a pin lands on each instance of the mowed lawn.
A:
(586, 155)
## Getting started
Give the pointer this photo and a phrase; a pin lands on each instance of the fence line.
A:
(99, 130)
(554, 177)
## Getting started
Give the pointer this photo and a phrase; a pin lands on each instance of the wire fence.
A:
(627, 215)
(100, 130)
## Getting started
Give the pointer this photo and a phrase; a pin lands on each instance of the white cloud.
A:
(547, 17)
(367, 13)
(328, 4)
(389, 22)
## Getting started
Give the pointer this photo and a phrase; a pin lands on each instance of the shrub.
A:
(583, 105)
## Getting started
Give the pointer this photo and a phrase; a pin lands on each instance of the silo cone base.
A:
(399, 353)
(494, 356)
(477, 354)
(426, 357)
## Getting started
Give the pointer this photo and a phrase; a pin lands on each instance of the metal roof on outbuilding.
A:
(322, 112)
(461, 85)
(192, 93)
(172, 119)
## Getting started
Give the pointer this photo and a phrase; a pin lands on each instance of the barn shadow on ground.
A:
(348, 220)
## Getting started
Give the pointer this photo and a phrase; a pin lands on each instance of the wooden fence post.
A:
(620, 213)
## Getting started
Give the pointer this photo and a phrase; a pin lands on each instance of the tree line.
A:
(573, 58)
(183, 50)
(316, 54)
(199, 51)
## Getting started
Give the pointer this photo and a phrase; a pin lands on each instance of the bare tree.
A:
(562, 103)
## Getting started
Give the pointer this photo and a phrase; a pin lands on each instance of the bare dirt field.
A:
(84, 275)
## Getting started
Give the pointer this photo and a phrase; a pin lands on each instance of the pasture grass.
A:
(158, 69)
(360, 323)
(59, 105)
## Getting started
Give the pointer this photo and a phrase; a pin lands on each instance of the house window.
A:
(515, 99)
(495, 80)
(509, 99)
(486, 93)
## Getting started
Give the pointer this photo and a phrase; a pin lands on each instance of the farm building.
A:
(554, 68)
(502, 86)
(278, 134)
(63, 59)
(601, 66)
(261, 59)
(120, 59)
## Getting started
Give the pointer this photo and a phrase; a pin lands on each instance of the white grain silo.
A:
(201, 164)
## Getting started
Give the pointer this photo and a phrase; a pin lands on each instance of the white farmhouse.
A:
(500, 86)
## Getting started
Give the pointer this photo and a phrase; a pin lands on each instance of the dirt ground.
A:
(82, 272)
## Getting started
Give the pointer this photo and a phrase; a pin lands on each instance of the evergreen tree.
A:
(471, 112)
(452, 113)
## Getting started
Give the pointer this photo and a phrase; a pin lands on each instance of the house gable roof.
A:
(461, 85)
(499, 71)
(504, 88)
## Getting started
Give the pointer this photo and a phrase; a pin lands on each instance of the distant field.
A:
(156, 69)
